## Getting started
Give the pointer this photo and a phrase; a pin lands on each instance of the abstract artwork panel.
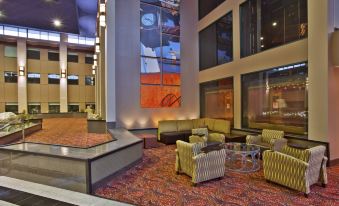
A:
(160, 54)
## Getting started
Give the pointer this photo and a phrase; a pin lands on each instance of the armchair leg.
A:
(306, 195)
(177, 172)
(324, 185)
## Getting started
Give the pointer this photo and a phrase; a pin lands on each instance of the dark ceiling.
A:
(77, 16)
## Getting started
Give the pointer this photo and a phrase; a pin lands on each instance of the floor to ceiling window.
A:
(276, 99)
(206, 6)
(266, 24)
(216, 43)
(216, 99)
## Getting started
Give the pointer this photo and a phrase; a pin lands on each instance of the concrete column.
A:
(318, 70)
(63, 67)
(110, 63)
(22, 80)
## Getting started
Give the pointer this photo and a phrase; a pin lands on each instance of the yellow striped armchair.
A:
(200, 166)
(296, 168)
(269, 139)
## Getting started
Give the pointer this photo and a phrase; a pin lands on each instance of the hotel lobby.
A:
(169, 102)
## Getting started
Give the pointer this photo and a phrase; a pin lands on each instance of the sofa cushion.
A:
(184, 125)
(222, 126)
(168, 126)
(198, 123)
(209, 123)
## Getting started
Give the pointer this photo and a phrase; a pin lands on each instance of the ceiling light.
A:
(274, 23)
(95, 57)
(261, 38)
(102, 8)
(262, 46)
(57, 23)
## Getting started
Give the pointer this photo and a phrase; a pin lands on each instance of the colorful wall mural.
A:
(160, 54)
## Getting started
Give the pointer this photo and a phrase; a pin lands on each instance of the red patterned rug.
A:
(68, 132)
(154, 182)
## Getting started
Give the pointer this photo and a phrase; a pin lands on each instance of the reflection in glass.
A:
(170, 21)
(276, 99)
(266, 24)
(171, 4)
(216, 99)
(224, 39)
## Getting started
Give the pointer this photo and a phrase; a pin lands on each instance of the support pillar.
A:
(22, 80)
(63, 69)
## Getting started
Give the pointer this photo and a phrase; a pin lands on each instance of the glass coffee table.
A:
(242, 157)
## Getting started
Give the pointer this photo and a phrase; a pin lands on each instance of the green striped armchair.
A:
(269, 139)
(200, 166)
(295, 168)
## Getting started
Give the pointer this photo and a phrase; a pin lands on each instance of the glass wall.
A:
(206, 6)
(266, 24)
(216, 43)
(216, 99)
(276, 99)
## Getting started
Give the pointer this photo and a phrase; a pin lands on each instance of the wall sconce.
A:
(63, 73)
(97, 48)
(102, 8)
(95, 63)
(21, 71)
(97, 40)
(93, 71)
(102, 14)
(95, 57)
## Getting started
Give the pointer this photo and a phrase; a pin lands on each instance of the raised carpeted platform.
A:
(154, 182)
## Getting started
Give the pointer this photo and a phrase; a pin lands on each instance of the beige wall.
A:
(45, 93)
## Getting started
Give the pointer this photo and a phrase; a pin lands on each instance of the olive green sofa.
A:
(169, 131)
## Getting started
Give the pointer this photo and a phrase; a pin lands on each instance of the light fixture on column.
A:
(21, 71)
(95, 63)
(95, 57)
(97, 48)
(102, 15)
(94, 69)
(63, 73)
(97, 40)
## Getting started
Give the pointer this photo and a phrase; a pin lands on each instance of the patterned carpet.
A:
(67, 131)
(154, 182)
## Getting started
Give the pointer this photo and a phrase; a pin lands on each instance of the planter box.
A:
(96, 126)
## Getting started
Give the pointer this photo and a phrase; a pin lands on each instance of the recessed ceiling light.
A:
(57, 23)
(274, 23)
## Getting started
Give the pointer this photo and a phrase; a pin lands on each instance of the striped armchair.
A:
(269, 139)
(295, 168)
(200, 166)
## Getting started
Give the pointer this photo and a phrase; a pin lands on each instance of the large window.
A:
(160, 54)
(89, 59)
(73, 108)
(73, 80)
(34, 108)
(12, 107)
(206, 6)
(53, 108)
(53, 79)
(216, 43)
(216, 99)
(276, 99)
(53, 56)
(33, 54)
(72, 57)
(33, 78)
(266, 24)
(10, 51)
(11, 77)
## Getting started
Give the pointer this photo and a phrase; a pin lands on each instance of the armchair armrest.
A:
(216, 137)
(196, 139)
(177, 161)
(286, 170)
(278, 144)
(208, 166)
(252, 139)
